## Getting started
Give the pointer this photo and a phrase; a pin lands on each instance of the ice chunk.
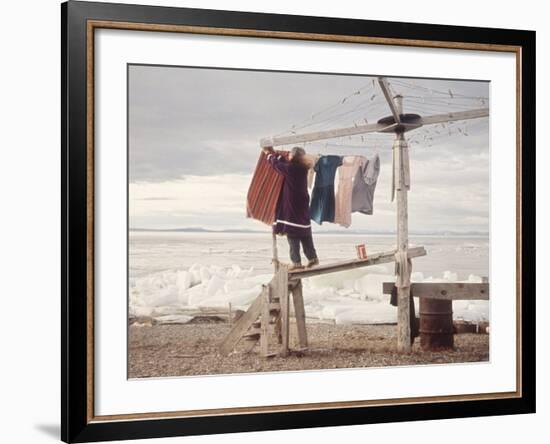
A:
(214, 285)
(368, 313)
(260, 278)
(183, 280)
(238, 284)
(195, 267)
(164, 296)
(204, 274)
(246, 273)
(370, 286)
(195, 271)
(318, 295)
(475, 279)
(335, 280)
(139, 311)
(473, 311)
(239, 298)
(173, 319)
(450, 276)
(196, 294)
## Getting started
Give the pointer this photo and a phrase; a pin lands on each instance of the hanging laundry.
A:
(322, 200)
(292, 211)
(364, 184)
(264, 190)
(346, 173)
(310, 177)
(311, 161)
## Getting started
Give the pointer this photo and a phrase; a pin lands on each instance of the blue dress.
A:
(322, 206)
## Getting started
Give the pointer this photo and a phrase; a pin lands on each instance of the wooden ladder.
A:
(269, 315)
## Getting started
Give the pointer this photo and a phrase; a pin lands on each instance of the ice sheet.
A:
(345, 297)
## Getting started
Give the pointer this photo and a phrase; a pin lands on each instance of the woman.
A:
(292, 215)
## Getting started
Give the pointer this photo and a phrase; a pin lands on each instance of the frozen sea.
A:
(171, 271)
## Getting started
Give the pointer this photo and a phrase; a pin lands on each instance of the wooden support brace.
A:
(241, 326)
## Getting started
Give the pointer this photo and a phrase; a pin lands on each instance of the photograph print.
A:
(297, 221)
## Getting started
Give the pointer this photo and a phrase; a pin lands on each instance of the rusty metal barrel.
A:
(436, 324)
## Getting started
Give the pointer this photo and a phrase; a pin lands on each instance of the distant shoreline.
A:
(336, 232)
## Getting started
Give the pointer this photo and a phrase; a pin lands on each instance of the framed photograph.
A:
(275, 221)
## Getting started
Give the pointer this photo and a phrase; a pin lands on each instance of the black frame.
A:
(75, 424)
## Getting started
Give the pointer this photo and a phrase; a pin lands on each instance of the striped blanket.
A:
(264, 191)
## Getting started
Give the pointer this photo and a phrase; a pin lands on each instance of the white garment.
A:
(346, 174)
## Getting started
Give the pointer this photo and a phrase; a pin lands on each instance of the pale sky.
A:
(194, 142)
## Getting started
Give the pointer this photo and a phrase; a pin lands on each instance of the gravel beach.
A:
(192, 349)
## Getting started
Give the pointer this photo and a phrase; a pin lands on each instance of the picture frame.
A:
(79, 180)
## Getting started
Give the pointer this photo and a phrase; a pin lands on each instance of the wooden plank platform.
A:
(445, 291)
(373, 259)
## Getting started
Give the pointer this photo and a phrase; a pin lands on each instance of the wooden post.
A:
(300, 314)
(264, 319)
(398, 100)
(275, 253)
(403, 301)
(282, 290)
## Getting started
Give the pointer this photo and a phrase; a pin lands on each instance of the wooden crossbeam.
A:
(458, 115)
(445, 291)
(387, 94)
(323, 135)
(373, 259)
